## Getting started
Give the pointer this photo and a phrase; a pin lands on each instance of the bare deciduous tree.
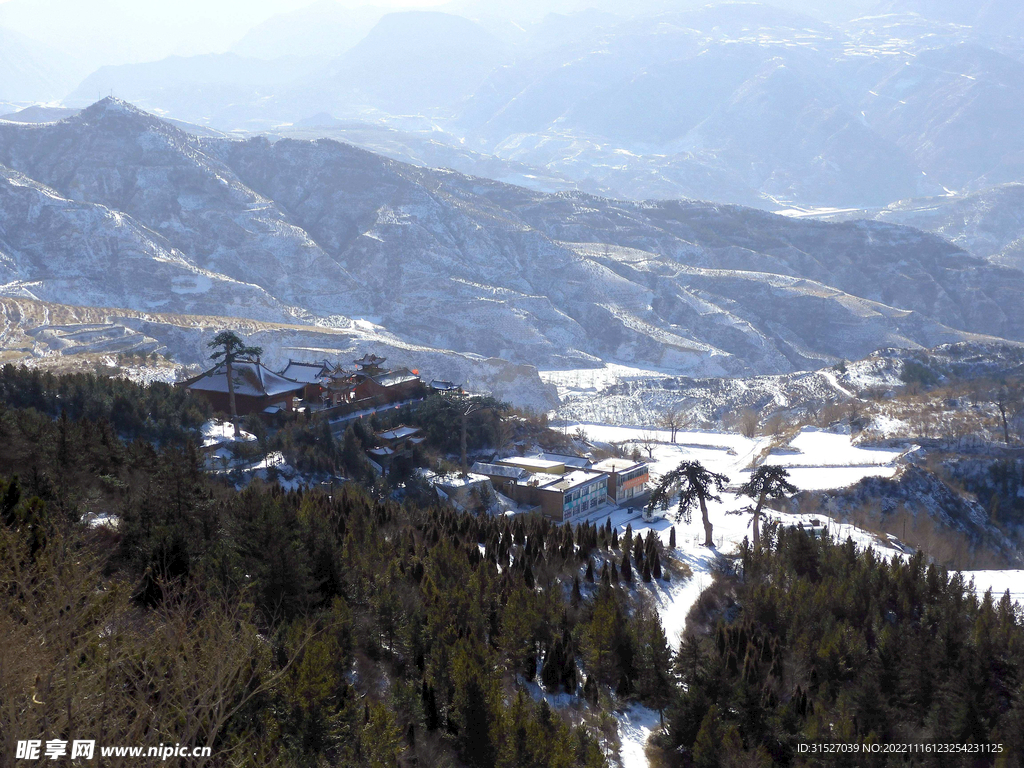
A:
(673, 420)
(776, 424)
(748, 422)
(504, 432)
(1006, 396)
(647, 441)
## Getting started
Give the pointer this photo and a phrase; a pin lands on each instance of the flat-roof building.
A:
(627, 479)
(573, 495)
(567, 488)
(503, 478)
(576, 462)
(534, 464)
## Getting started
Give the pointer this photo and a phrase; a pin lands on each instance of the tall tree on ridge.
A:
(769, 481)
(464, 406)
(696, 485)
(229, 348)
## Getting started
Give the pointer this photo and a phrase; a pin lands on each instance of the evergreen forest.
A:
(145, 601)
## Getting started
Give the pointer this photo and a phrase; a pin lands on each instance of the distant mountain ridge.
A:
(325, 28)
(322, 233)
(732, 102)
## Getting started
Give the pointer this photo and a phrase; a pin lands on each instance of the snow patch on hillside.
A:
(220, 432)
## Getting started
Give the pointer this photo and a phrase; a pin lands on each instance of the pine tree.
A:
(230, 348)
(695, 485)
(624, 567)
(638, 551)
(768, 481)
(707, 747)
(381, 738)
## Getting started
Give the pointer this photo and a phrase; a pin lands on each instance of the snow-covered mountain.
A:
(322, 233)
(73, 252)
(729, 102)
(114, 155)
(988, 223)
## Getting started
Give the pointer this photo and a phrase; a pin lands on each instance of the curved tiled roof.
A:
(250, 379)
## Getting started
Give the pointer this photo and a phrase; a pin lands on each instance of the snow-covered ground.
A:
(815, 458)
(818, 460)
(145, 374)
(635, 726)
(999, 582)
(221, 432)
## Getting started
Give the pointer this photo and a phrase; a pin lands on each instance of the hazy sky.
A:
(92, 33)
(97, 32)
(240, 8)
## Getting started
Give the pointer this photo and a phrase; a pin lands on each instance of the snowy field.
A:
(816, 460)
(999, 582)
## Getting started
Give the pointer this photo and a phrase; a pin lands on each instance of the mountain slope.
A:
(117, 156)
(733, 102)
(325, 28)
(956, 109)
(333, 233)
(507, 261)
(988, 17)
(60, 250)
(988, 223)
(222, 89)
